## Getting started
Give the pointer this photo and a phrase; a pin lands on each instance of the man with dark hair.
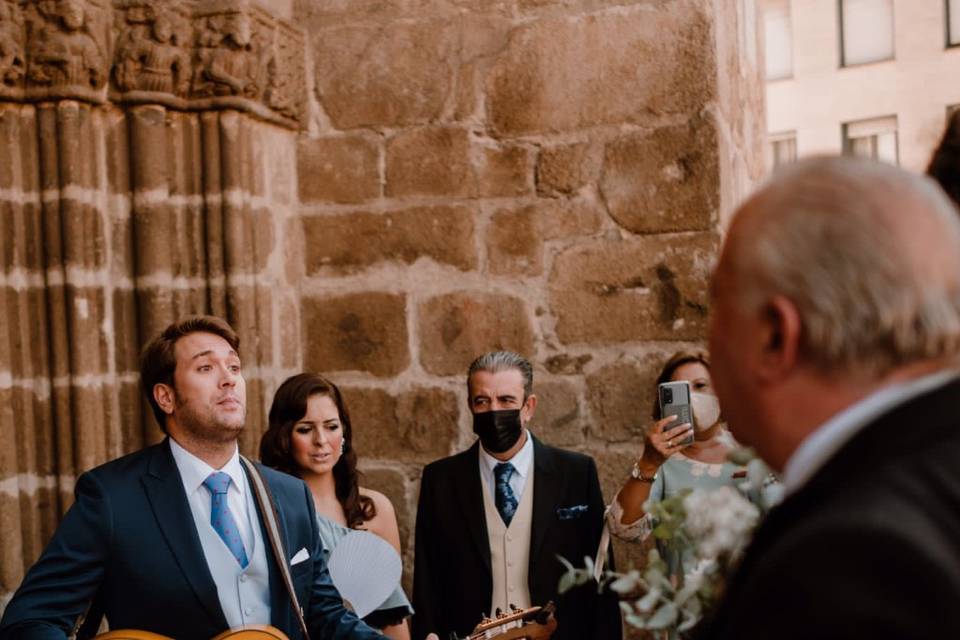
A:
(170, 539)
(492, 520)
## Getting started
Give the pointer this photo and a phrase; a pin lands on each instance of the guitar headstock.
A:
(533, 623)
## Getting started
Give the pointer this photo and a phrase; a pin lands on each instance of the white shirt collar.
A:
(818, 447)
(521, 460)
(194, 471)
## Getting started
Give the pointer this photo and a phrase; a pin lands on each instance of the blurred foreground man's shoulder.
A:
(835, 337)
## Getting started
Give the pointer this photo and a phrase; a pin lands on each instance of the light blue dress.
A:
(395, 608)
(680, 473)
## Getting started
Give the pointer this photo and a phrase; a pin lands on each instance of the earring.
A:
(342, 447)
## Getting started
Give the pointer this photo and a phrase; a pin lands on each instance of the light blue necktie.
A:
(505, 499)
(222, 518)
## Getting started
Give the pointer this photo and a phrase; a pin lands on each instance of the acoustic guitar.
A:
(249, 632)
(535, 623)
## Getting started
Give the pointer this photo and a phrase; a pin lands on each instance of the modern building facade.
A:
(870, 77)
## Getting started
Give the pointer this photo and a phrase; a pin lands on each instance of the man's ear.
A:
(528, 409)
(165, 397)
(780, 332)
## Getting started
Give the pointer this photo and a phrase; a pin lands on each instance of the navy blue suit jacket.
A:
(130, 541)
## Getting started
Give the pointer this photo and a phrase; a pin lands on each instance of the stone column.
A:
(548, 176)
(149, 173)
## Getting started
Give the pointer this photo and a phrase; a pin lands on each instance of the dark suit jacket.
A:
(130, 539)
(870, 547)
(452, 582)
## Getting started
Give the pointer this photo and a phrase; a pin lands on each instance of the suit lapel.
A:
(471, 501)
(164, 489)
(547, 493)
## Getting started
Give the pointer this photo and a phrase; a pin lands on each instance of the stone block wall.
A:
(547, 176)
(379, 190)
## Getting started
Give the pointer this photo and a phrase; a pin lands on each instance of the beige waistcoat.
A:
(510, 549)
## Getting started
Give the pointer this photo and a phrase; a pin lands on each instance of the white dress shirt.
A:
(818, 447)
(243, 592)
(193, 471)
(522, 462)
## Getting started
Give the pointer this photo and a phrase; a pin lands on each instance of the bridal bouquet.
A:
(709, 528)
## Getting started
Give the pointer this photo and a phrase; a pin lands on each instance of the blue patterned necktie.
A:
(222, 518)
(505, 499)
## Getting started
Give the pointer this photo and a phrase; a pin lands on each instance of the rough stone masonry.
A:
(375, 189)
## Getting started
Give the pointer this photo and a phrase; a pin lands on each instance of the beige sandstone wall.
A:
(408, 184)
(544, 176)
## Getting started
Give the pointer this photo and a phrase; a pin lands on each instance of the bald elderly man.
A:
(835, 338)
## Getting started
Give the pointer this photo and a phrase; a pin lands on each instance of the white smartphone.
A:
(675, 401)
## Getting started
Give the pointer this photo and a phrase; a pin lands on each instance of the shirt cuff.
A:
(636, 531)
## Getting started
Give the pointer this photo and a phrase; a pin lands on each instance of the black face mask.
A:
(498, 430)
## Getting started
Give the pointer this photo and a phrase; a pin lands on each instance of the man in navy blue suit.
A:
(170, 539)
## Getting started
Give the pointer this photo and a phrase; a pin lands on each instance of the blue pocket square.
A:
(569, 513)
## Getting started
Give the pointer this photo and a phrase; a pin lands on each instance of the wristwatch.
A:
(636, 474)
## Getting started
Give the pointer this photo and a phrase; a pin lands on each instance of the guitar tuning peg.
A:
(484, 619)
(513, 607)
(499, 612)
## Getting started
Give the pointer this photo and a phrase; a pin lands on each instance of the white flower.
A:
(719, 521)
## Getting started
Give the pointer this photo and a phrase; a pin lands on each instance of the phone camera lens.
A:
(668, 395)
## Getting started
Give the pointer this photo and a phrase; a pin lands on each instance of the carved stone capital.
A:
(209, 55)
(183, 54)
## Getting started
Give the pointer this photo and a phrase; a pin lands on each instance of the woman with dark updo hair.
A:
(310, 436)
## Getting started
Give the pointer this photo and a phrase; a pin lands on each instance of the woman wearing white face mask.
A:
(669, 462)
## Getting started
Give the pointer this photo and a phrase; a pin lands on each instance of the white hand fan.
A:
(365, 569)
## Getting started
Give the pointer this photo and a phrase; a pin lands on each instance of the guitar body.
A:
(249, 632)
(535, 623)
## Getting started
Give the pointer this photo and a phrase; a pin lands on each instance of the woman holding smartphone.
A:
(676, 456)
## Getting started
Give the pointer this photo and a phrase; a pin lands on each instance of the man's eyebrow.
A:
(209, 351)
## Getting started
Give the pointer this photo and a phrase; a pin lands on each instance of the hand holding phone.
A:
(674, 400)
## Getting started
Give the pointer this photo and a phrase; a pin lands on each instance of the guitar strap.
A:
(268, 508)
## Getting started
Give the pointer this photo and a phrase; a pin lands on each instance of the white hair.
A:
(870, 256)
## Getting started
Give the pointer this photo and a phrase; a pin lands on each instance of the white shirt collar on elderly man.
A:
(823, 443)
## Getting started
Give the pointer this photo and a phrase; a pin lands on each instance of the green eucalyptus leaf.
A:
(626, 583)
(688, 623)
(636, 621)
(741, 456)
(567, 581)
(663, 532)
(664, 617)
(648, 600)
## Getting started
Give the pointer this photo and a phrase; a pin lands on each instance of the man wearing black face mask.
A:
(493, 519)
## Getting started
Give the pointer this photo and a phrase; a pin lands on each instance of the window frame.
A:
(781, 136)
(846, 140)
(893, 39)
(946, 28)
(790, 74)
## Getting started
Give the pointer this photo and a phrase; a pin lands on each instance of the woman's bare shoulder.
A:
(384, 523)
(380, 502)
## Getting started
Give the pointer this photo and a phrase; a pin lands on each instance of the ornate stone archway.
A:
(148, 172)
